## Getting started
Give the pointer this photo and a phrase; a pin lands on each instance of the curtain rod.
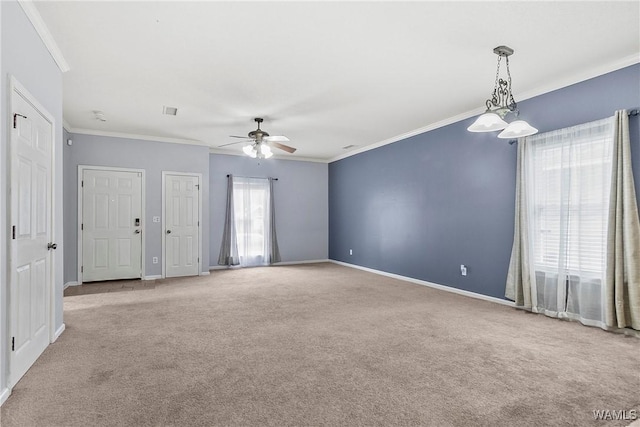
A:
(254, 177)
(634, 112)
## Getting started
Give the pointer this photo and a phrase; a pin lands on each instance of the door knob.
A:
(168, 231)
(52, 246)
(137, 231)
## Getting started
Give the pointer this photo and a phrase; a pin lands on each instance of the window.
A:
(571, 180)
(251, 210)
(568, 175)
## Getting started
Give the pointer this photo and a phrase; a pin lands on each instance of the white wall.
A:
(25, 57)
(301, 199)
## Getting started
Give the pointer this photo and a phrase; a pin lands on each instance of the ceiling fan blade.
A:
(232, 143)
(236, 136)
(282, 147)
(276, 138)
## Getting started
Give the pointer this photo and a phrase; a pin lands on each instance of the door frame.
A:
(15, 87)
(143, 228)
(163, 222)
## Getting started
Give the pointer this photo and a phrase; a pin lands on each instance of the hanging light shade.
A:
(500, 104)
(266, 151)
(487, 122)
(249, 151)
(517, 129)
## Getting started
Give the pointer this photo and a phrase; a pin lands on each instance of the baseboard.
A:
(4, 395)
(204, 273)
(74, 283)
(152, 277)
(310, 261)
(222, 267)
(58, 332)
(429, 284)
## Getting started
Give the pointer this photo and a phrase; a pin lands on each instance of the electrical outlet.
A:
(350, 251)
(156, 219)
(155, 259)
(463, 269)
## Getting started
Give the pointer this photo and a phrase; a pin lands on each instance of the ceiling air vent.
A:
(169, 111)
(99, 115)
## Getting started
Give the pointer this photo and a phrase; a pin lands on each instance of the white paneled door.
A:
(31, 245)
(111, 225)
(182, 225)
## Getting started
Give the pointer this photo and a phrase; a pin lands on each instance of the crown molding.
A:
(432, 126)
(541, 90)
(41, 28)
(582, 76)
(135, 136)
(212, 150)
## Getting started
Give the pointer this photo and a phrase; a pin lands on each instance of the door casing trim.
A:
(81, 169)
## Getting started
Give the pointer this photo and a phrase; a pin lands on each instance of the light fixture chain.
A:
(494, 100)
(512, 102)
(495, 86)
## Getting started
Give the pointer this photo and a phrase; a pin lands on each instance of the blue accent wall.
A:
(422, 206)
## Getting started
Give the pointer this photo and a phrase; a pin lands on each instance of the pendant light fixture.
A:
(500, 104)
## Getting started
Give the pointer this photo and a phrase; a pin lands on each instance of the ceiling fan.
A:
(261, 142)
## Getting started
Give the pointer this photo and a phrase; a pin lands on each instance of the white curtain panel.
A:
(576, 249)
(252, 220)
(568, 184)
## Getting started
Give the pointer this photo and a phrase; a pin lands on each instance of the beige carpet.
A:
(314, 345)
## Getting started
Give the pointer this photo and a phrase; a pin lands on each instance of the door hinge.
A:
(82, 183)
(198, 186)
(15, 119)
(13, 232)
(81, 226)
(81, 269)
(13, 343)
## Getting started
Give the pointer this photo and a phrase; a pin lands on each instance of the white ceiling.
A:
(325, 74)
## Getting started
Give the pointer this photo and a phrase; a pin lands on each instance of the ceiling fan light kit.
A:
(262, 142)
(500, 104)
(260, 151)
